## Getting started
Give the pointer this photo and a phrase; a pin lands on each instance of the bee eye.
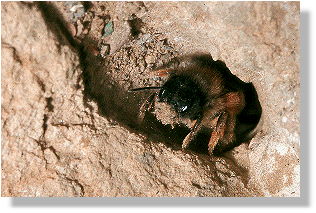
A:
(162, 95)
(183, 108)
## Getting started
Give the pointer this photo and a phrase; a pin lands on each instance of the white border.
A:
(232, 204)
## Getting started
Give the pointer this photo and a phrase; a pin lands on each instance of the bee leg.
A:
(187, 140)
(218, 131)
(147, 105)
(234, 104)
(229, 132)
(198, 124)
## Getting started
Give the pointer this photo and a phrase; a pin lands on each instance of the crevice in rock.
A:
(51, 148)
(87, 5)
(16, 56)
(136, 25)
(77, 183)
(40, 83)
(45, 119)
(56, 24)
(142, 5)
(68, 125)
(49, 105)
(196, 185)
(42, 144)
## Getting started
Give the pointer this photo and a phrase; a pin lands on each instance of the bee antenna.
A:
(143, 88)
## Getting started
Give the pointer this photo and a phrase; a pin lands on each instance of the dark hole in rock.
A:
(135, 24)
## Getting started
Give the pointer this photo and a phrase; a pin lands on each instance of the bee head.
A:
(184, 95)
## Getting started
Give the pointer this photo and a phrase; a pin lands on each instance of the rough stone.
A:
(70, 128)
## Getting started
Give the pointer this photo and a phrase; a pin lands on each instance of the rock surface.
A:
(70, 128)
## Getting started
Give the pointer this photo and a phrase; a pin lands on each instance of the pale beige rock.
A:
(56, 141)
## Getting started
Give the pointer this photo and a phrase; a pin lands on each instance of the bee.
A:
(205, 92)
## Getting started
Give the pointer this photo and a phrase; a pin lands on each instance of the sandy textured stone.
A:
(69, 126)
